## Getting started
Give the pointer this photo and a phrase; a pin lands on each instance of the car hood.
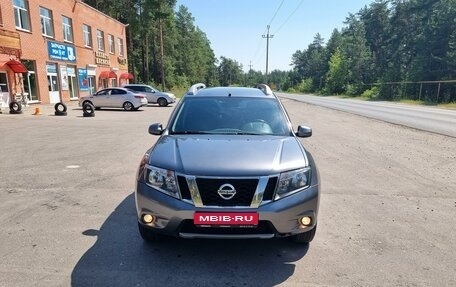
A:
(222, 155)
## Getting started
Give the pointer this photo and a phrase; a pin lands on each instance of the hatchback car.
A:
(228, 165)
(153, 95)
(115, 98)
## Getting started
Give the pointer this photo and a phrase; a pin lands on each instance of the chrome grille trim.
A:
(194, 192)
(258, 196)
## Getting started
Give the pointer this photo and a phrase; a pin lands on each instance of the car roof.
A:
(135, 85)
(230, 92)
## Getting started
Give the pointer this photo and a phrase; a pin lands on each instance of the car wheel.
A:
(128, 106)
(162, 102)
(305, 237)
(147, 234)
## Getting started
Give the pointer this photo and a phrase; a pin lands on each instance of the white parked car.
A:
(116, 97)
(153, 95)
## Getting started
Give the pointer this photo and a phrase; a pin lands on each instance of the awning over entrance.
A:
(17, 66)
(108, 75)
(126, 76)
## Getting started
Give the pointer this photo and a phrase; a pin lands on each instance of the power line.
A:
(275, 14)
(289, 17)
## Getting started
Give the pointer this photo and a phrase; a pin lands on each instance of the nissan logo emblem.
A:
(226, 191)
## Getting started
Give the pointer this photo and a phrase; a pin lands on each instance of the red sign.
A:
(225, 218)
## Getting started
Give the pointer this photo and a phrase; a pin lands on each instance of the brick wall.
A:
(34, 46)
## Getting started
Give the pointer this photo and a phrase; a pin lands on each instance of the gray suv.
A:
(153, 95)
(228, 165)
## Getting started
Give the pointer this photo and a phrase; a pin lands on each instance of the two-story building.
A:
(58, 51)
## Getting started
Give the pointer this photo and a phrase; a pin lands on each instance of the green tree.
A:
(336, 78)
(229, 72)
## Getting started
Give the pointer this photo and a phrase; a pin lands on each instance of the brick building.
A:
(58, 51)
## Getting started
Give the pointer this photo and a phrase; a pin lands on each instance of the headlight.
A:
(292, 181)
(162, 180)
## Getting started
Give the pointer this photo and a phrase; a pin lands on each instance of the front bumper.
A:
(276, 219)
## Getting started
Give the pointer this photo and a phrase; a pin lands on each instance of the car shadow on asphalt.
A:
(120, 257)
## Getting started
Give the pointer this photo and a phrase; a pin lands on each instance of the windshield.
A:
(230, 115)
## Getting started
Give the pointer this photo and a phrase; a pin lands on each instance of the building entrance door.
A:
(53, 83)
(72, 82)
(4, 90)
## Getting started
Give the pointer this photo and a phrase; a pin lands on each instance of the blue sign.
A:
(61, 52)
(83, 80)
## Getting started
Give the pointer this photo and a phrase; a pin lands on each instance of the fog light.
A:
(306, 221)
(147, 218)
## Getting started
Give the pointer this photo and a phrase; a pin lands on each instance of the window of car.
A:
(135, 88)
(103, 93)
(230, 115)
(149, 90)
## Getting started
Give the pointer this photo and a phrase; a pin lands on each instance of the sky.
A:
(236, 28)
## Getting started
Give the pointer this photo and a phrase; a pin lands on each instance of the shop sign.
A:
(61, 52)
(102, 59)
(10, 43)
(83, 80)
(122, 62)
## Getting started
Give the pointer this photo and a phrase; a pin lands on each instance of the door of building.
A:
(72, 82)
(4, 90)
(53, 83)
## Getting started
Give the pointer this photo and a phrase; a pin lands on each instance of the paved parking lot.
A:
(68, 215)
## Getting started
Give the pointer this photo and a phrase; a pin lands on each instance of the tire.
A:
(148, 235)
(60, 107)
(15, 107)
(59, 113)
(128, 106)
(88, 110)
(305, 237)
(162, 102)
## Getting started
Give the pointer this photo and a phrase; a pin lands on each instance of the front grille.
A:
(263, 227)
(245, 189)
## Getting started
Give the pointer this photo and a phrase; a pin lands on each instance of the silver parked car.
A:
(115, 98)
(228, 165)
(153, 95)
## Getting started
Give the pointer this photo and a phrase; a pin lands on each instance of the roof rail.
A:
(264, 88)
(195, 88)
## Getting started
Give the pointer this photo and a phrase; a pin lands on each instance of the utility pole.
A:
(267, 36)
(250, 66)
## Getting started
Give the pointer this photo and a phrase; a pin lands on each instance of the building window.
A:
(111, 44)
(47, 28)
(100, 40)
(87, 31)
(67, 26)
(121, 48)
(21, 14)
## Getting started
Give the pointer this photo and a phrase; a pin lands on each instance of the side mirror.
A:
(304, 132)
(156, 129)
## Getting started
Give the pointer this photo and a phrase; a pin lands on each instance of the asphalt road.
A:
(442, 121)
(387, 212)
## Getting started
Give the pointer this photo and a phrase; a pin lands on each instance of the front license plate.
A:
(226, 218)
